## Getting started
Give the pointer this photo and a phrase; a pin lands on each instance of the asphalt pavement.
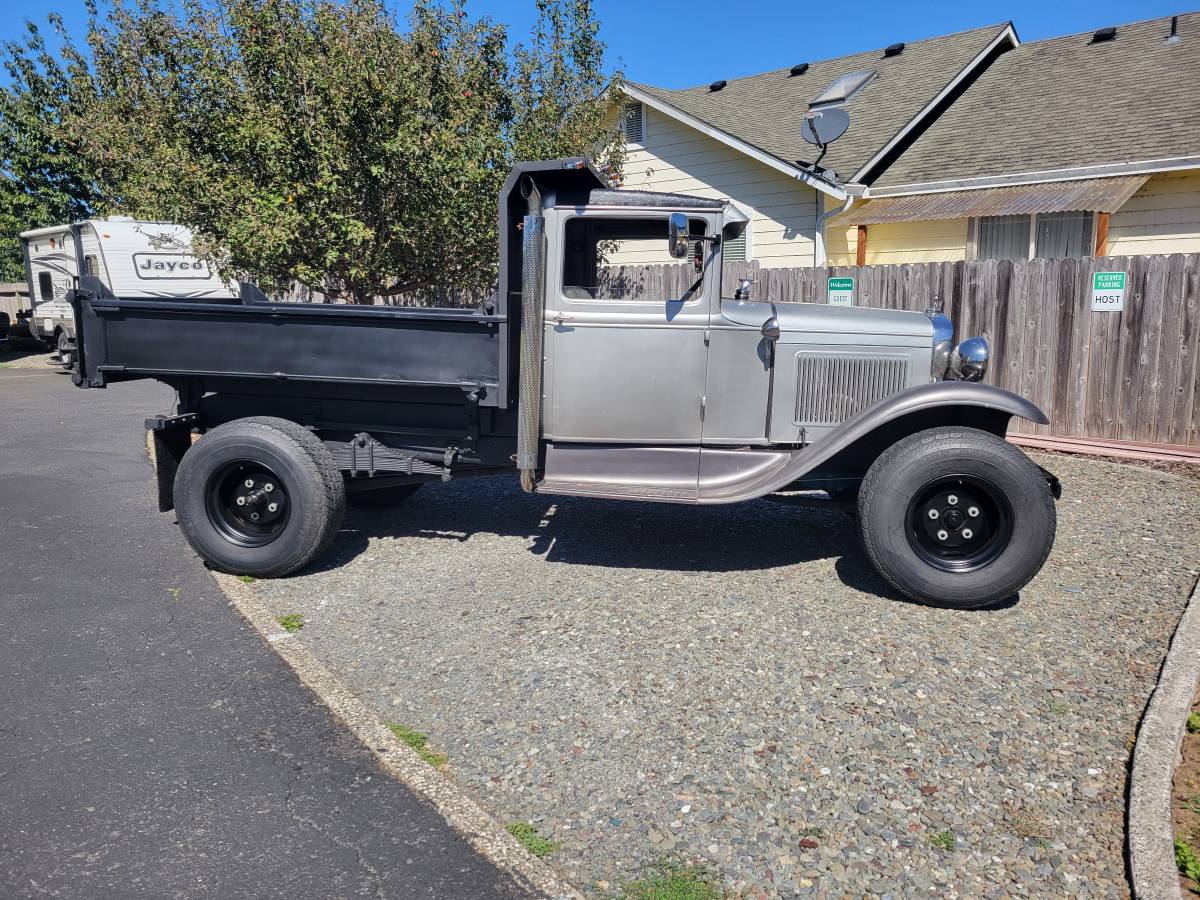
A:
(151, 745)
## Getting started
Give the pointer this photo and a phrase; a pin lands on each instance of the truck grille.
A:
(832, 387)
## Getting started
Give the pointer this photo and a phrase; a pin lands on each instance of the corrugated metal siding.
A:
(832, 387)
(1091, 194)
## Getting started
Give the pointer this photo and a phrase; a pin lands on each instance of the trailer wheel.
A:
(956, 517)
(66, 351)
(259, 496)
(381, 498)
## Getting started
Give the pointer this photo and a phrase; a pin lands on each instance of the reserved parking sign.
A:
(1108, 292)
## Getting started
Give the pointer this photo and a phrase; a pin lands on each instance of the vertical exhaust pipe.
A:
(533, 328)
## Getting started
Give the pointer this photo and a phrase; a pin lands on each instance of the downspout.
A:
(822, 256)
(533, 328)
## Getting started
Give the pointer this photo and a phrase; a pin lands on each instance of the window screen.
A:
(622, 259)
(735, 250)
(45, 286)
(1064, 234)
(1003, 237)
(632, 122)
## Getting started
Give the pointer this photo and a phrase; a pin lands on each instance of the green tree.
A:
(316, 141)
(44, 180)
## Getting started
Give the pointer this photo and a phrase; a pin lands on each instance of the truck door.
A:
(625, 340)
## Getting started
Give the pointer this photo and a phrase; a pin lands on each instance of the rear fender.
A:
(848, 451)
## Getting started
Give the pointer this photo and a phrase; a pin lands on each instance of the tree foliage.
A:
(311, 141)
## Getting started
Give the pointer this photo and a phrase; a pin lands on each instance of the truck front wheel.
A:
(956, 517)
(66, 351)
(259, 496)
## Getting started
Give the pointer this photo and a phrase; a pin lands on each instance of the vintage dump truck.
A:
(584, 384)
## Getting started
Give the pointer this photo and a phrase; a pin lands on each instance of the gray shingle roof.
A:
(766, 110)
(1066, 103)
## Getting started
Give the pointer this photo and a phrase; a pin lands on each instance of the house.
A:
(967, 146)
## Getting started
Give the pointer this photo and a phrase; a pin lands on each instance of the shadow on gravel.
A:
(740, 537)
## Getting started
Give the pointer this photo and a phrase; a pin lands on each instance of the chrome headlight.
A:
(969, 360)
(943, 343)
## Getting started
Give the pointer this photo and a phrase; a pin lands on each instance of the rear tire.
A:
(956, 517)
(260, 496)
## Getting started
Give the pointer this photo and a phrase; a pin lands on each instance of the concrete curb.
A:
(1150, 829)
(482, 831)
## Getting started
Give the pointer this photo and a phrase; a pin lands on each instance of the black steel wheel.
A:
(248, 503)
(259, 496)
(956, 517)
(959, 523)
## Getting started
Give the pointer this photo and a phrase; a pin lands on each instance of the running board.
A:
(618, 491)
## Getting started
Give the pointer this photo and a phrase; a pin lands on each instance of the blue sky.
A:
(678, 44)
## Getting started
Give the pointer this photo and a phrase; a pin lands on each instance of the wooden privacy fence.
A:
(1125, 376)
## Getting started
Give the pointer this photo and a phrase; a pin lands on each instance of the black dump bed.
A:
(121, 339)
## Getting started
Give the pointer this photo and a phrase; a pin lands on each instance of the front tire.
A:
(259, 496)
(956, 517)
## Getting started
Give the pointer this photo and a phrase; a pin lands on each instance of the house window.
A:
(632, 122)
(1064, 234)
(1041, 236)
(1003, 237)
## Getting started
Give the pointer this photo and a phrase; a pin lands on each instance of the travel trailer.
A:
(127, 258)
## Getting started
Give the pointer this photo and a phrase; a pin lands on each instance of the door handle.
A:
(561, 317)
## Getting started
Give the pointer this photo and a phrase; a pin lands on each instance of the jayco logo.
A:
(170, 265)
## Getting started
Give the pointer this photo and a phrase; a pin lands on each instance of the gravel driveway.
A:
(730, 685)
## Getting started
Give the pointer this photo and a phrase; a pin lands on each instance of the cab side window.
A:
(624, 259)
(45, 286)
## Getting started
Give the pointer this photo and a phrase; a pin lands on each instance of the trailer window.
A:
(627, 259)
(45, 287)
(91, 266)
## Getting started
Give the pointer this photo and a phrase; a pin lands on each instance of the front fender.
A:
(878, 427)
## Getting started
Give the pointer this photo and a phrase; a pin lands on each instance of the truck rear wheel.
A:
(956, 517)
(259, 496)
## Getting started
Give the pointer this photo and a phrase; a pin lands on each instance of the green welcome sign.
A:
(841, 292)
(1108, 292)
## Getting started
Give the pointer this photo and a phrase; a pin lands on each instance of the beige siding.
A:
(680, 159)
(901, 242)
(1162, 217)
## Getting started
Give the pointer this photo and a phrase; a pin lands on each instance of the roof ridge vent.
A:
(798, 69)
(717, 85)
(893, 49)
(1104, 34)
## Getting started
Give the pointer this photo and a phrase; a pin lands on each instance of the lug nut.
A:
(253, 517)
(943, 534)
(952, 500)
(967, 534)
(249, 482)
(973, 511)
(268, 487)
(241, 501)
(933, 514)
(272, 507)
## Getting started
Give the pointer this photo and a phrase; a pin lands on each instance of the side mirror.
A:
(677, 237)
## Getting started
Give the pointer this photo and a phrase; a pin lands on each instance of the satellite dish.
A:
(824, 126)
